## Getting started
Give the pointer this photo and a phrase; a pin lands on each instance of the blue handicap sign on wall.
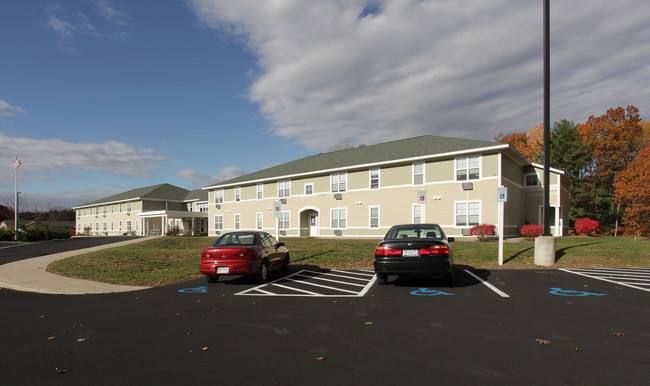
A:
(203, 289)
(428, 292)
(561, 292)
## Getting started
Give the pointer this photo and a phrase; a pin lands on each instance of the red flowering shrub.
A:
(483, 231)
(586, 226)
(531, 231)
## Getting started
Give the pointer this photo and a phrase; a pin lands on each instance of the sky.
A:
(102, 96)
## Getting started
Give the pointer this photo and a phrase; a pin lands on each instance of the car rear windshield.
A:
(415, 232)
(238, 238)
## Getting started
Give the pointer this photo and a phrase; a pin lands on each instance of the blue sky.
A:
(99, 96)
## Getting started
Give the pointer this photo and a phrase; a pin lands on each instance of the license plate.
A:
(223, 269)
(411, 253)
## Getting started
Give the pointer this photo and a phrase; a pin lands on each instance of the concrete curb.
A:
(30, 275)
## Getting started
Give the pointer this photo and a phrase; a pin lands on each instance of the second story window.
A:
(284, 188)
(260, 191)
(218, 196)
(339, 182)
(418, 174)
(468, 168)
(374, 178)
(128, 207)
(238, 193)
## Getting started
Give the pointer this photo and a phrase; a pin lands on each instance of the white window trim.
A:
(422, 213)
(286, 222)
(259, 191)
(370, 208)
(214, 223)
(339, 218)
(480, 168)
(259, 220)
(539, 182)
(345, 175)
(378, 178)
(284, 185)
(237, 221)
(237, 193)
(424, 176)
(312, 189)
(218, 196)
(480, 213)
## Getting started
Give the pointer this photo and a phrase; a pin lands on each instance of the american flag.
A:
(17, 164)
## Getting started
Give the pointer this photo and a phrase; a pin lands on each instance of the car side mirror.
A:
(278, 245)
(450, 239)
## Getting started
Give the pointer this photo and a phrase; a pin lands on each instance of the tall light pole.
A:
(547, 117)
(545, 244)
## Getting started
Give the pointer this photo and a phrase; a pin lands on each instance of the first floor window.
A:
(97, 226)
(339, 218)
(374, 217)
(104, 226)
(468, 213)
(218, 223)
(128, 225)
(259, 217)
(418, 213)
(237, 221)
(285, 220)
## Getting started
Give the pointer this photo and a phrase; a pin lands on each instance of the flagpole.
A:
(16, 199)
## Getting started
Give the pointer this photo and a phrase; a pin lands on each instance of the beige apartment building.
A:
(153, 210)
(362, 192)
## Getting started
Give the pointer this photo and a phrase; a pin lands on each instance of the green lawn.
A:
(172, 259)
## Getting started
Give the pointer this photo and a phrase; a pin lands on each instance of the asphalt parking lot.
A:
(491, 327)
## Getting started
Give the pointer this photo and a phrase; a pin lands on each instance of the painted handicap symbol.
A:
(561, 292)
(203, 289)
(428, 292)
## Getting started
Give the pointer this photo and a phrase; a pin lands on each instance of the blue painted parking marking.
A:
(637, 278)
(202, 289)
(561, 292)
(428, 292)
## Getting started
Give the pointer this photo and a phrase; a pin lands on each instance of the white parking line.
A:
(313, 278)
(620, 276)
(490, 286)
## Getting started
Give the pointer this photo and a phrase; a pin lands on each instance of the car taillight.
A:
(386, 250)
(435, 250)
(244, 253)
(206, 255)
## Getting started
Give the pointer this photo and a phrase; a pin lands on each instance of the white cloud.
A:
(7, 110)
(370, 71)
(110, 13)
(55, 155)
(199, 179)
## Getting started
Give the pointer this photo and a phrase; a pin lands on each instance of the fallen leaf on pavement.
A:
(578, 349)
(320, 358)
(543, 341)
(81, 340)
(618, 334)
(369, 323)
(51, 338)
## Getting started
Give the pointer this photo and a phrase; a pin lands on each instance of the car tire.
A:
(285, 265)
(263, 275)
(382, 278)
(212, 278)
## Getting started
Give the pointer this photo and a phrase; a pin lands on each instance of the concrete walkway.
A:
(29, 275)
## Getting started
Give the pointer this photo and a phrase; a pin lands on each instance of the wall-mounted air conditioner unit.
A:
(338, 232)
(283, 233)
(338, 196)
(218, 206)
(465, 232)
(467, 186)
(283, 200)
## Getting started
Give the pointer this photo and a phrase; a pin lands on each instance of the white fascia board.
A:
(360, 166)
(127, 200)
(554, 170)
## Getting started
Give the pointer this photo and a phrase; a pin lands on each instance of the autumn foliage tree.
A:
(530, 144)
(632, 191)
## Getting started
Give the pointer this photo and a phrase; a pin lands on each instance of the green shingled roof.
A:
(383, 152)
(155, 192)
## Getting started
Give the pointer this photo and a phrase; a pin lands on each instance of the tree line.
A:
(607, 162)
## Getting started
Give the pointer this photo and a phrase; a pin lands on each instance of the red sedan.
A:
(244, 253)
